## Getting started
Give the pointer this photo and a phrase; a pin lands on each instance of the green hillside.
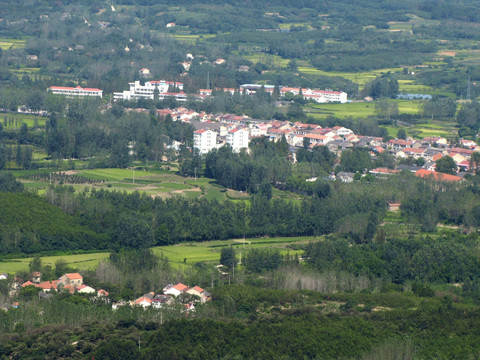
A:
(32, 224)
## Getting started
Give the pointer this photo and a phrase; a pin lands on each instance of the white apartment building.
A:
(75, 91)
(138, 91)
(238, 139)
(204, 140)
(329, 96)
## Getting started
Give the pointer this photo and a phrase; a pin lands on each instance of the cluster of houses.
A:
(216, 130)
(172, 294)
(71, 282)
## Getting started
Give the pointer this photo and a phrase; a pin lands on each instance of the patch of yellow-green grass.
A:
(408, 106)
(284, 26)
(116, 174)
(191, 38)
(354, 110)
(408, 86)
(78, 261)
(6, 44)
(26, 70)
(400, 25)
(419, 131)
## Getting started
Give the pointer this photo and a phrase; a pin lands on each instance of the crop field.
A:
(6, 44)
(193, 252)
(409, 86)
(357, 109)
(78, 261)
(161, 183)
(419, 131)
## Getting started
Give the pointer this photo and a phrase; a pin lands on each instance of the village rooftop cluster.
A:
(216, 130)
(173, 294)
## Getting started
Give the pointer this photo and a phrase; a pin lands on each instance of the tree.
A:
(386, 109)
(402, 134)
(117, 349)
(9, 183)
(35, 264)
(446, 165)
(227, 257)
(132, 231)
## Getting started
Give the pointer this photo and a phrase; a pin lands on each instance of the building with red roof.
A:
(428, 174)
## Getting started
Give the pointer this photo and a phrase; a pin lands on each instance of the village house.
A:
(175, 290)
(85, 289)
(74, 279)
(200, 293)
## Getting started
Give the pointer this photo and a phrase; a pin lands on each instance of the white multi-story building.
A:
(147, 91)
(238, 139)
(75, 91)
(204, 140)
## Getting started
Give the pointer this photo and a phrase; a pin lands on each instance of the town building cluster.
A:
(162, 89)
(216, 130)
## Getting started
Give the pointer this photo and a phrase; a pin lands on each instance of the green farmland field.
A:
(357, 109)
(6, 44)
(193, 252)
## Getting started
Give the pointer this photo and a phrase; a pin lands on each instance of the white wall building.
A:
(76, 91)
(138, 91)
(204, 140)
(238, 139)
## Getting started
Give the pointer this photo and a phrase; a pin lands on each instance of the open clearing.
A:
(193, 252)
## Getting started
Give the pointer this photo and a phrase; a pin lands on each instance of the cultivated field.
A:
(6, 44)
(179, 255)
(357, 109)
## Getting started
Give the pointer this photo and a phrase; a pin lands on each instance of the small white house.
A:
(85, 289)
(175, 290)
